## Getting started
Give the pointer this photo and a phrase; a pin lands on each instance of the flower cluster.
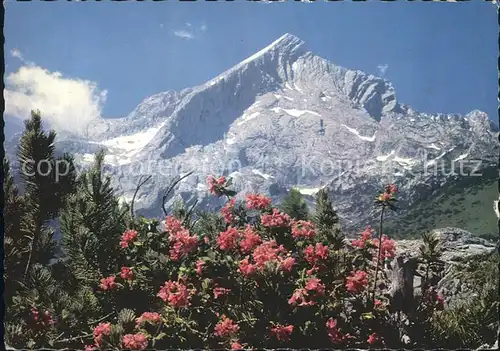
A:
(126, 273)
(127, 238)
(148, 317)
(388, 195)
(135, 341)
(276, 256)
(182, 242)
(314, 255)
(226, 327)
(357, 281)
(275, 219)
(108, 283)
(102, 330)
(282, 332)
(228, 239)
(216, 185)
(307, 295)
(228, 211)
(388, 249)
(176, 294)
(45, 319)
(257, 202)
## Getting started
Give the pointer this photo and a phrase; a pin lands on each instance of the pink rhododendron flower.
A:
(287, 264)
(315, 254)
(108, 283)
(303, 229)
(89, 347)
(266, 252)
(101, 330)
(257, 202)
(366, 235)
(333, 332)
(388, 249)
(281, 332)
(300, 297)
(44, 320)
(440, 300)
(228, 211)
(183, 244)
(151, 317)
(392, 188)
(127, 238)
(314, 284)
(226, 327)
(372, 338)
(218, 291)
(275, 219)
(228, 240)
(175, 294)
(215, 186)
(199, 267)
(246, 268)
(126, 273)
(173, 225)
(357, 281)
(385, 196)
(250, 240)
(135, 341)
(235, 345)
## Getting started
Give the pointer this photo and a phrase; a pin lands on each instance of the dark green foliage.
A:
(91, 225)
(294, 205)
(327, 221)
(45, 189)
(15, 243)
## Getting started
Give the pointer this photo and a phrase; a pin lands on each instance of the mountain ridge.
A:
(258, 122)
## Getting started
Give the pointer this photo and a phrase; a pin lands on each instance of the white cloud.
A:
(184, 34)
(188, 24)
(67, 104)
(17, 54)
(382, 69)
(203, 28)
(161, 25)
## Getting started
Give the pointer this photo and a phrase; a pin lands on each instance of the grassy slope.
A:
(466, 203)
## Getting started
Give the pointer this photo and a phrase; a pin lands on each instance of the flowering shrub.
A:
(257, 278)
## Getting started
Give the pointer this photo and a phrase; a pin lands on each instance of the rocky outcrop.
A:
(457, 248)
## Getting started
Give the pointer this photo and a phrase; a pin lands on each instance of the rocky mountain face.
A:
(286, 118)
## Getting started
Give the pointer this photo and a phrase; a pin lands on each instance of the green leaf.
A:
(368, 315)
(160, 336)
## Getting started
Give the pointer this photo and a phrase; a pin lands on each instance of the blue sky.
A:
(440, 57)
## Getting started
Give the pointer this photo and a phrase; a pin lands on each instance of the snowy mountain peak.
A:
(286, 45)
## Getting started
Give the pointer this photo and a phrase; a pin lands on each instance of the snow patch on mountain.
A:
(308, 191)
(263, 175)
(356, 132)
(383, 158)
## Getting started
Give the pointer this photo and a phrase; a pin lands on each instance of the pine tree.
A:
(294, 205)
(15, 242)
(327, 221)
(29, 244)
(45, 190)
(91, 226)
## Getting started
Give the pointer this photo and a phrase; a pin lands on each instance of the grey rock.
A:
(457, 246)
